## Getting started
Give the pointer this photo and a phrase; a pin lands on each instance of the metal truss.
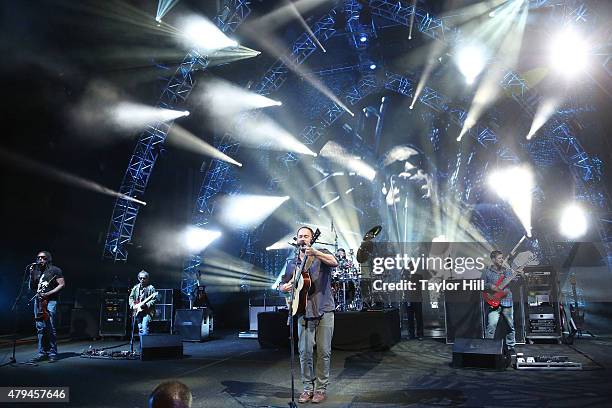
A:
(232, 14)
(143, 159)
(150, 142)
(400, 13)
(303, 47)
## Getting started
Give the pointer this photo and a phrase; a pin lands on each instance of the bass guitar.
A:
(302, 284)
(141, 306)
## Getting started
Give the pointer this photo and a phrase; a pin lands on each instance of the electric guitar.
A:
(140, 306)
(302, 284)
(493, 298)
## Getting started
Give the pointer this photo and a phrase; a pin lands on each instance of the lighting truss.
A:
(144, 157)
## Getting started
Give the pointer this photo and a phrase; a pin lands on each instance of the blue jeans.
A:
(47, 330)
(320, 331)
(143, 324)
(493, 319)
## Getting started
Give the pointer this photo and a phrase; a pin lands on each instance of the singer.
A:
(317, 324)
(47, 280)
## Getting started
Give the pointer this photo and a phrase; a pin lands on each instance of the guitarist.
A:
(494, 274)
(139, 293)
(47, 280)
(317, 322)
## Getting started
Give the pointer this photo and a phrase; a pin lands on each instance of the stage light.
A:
(221, 98)
(198, 32)
(262, 131)
(515, 186)
(248, 211)
(184, 139)
(569, 53)
(131, 116)
(372, 66)
(470, 59)
(337, 154)
(197, 239)
(545, 110)
(163, 7)
(573, 223)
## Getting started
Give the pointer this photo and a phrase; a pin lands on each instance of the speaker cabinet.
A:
(193, 324)
(84, 324)
(462, 312)
(160, 346)
(479, 353)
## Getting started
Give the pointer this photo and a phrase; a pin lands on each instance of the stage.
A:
(232, 372)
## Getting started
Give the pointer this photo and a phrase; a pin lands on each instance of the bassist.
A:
(493, 276)
(317, 320)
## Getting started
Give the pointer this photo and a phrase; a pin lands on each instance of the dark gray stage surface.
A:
(232, 372)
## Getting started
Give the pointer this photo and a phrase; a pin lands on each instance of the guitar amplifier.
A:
(113, 314)
(193, 324)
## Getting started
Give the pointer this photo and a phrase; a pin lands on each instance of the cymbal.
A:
(371, 234)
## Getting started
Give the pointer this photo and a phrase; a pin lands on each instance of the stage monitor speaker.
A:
(193, 324)
(480, 353)
(158, 346)
(462, 311)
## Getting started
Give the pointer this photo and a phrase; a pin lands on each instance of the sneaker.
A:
(305, 397)
(38, 358)
(319, 396)
(52, 359)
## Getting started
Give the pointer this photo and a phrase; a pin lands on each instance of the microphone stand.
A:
(13, 360)
(292, 403)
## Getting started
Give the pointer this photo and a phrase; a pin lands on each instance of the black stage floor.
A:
(232, 372)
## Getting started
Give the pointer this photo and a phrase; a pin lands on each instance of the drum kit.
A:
(349, 287)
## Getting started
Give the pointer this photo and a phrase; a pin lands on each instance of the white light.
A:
(337, 154)
(372, 66)
(199, 32)
(470, 60)
(248, 211)
(363, 38)
(573, 223)
(515, 186)
(568, 53)
(128, 115)
(197, 239)
(222, 98)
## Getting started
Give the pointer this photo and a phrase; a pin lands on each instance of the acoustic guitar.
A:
(302, 284)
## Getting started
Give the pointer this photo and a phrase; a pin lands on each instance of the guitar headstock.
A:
(316, 235)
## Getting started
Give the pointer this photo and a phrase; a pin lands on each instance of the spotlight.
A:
(514, 185)
(201, 33)
(248, 211)
(569, 53)
(197, 239)
(573, 223)
(372, 66)
(470, 60)
(363, 38)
